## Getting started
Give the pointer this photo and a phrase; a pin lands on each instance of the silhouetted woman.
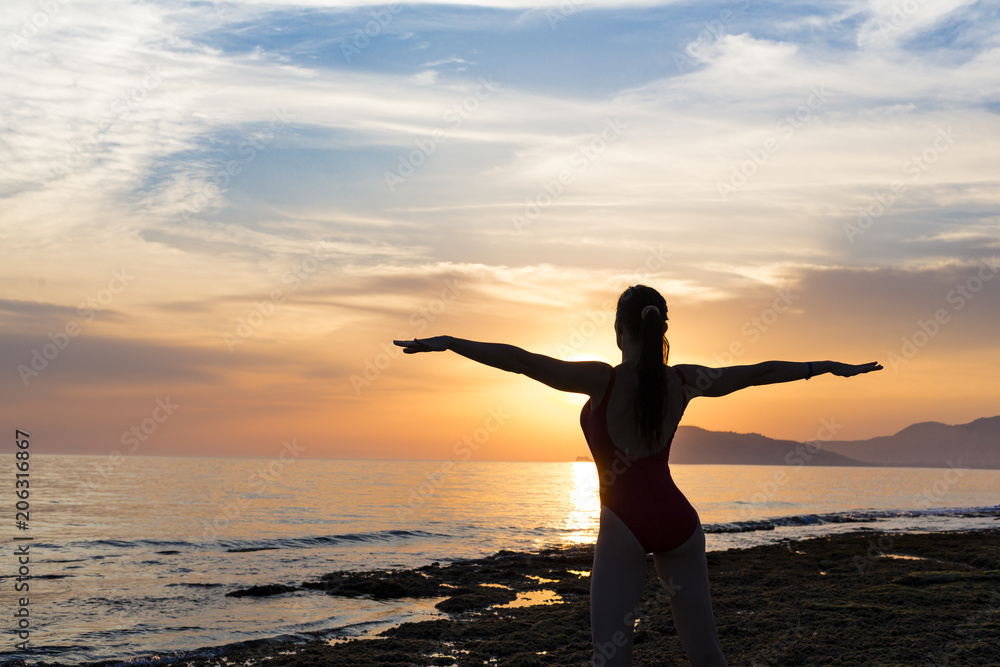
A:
(629, 422)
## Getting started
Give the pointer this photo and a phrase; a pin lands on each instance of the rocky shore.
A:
(863, 598)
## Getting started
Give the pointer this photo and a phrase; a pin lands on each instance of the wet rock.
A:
(467, 599)
(261, 591)
(377, 585)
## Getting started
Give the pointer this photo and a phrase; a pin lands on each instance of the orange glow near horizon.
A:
(442, 406)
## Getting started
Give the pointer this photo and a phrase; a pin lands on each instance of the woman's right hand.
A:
(849, 370)
(435, 344)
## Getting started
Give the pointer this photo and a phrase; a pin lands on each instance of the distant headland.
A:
(923, 445)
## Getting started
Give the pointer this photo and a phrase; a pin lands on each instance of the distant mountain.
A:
(697, 445)
(930, 444)
(927, 444)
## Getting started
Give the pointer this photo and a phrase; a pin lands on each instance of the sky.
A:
(216, 216)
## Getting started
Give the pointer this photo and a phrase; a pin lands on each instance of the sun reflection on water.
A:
(581, 521)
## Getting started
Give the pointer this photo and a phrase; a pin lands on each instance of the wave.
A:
(326, 540)
(865, 516)
(179, 547)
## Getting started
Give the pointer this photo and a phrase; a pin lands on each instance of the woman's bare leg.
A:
(684, 573)
(616, 584)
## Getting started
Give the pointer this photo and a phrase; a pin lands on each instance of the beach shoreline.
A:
(860, 598)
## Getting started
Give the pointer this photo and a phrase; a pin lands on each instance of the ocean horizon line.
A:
(519, 461)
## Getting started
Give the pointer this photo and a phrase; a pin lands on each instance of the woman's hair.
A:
(642, 313)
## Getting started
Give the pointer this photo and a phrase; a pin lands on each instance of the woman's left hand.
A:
(850, 370)
(435, 344)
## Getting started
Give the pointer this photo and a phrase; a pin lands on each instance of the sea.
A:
(131, 558)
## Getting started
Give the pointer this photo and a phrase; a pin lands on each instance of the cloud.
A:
(35, 311)
(893, 23)
(94, 361)
(167, 157)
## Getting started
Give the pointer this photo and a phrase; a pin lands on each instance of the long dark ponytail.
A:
(643, 313)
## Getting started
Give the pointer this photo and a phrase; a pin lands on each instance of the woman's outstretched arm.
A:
(581, 377)
(705, 381)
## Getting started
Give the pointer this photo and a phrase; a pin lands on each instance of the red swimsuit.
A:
(639, 490)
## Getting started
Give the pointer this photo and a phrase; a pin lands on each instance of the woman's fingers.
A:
(866, 368)
(416, 345)
(411, 346)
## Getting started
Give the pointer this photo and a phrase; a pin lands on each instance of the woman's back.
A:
(622, 426)
(637, 487)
